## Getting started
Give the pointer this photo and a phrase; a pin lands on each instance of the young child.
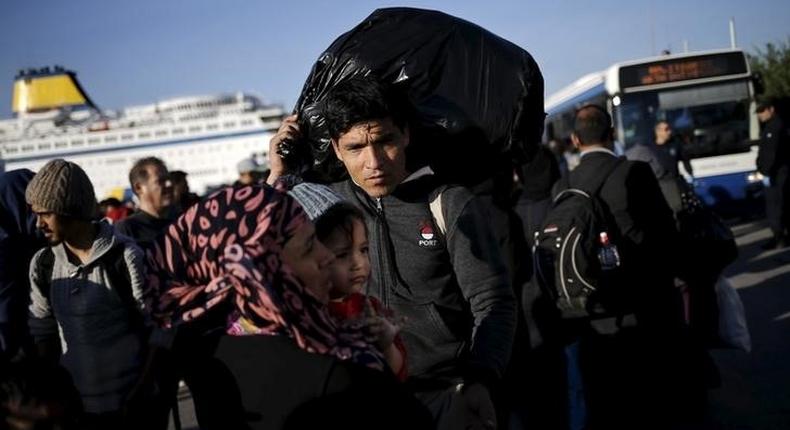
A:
(341, 227)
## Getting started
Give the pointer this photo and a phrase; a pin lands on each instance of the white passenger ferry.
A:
(205, 136)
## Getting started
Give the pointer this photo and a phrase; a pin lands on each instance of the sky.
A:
(138, 52)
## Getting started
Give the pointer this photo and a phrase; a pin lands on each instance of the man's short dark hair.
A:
(592, 124)
(764, 104)
(139, 172)
(178, 176)
(362, 99)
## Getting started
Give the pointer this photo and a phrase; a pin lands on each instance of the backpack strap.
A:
(118, 274)
(599, 181)
(437, 210)
(117, 271)
(46, 264)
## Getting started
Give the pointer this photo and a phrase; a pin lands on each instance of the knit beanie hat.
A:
(315, 199)
(62, 187)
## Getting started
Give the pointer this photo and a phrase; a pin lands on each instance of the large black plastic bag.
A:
(478, 98)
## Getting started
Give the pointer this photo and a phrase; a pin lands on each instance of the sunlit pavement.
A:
(755, 389)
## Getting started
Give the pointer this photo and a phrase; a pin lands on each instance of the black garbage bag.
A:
(477, 98)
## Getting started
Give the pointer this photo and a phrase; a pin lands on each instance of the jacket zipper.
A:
(383, 290)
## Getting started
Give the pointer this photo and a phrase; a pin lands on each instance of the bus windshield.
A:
(709, 119)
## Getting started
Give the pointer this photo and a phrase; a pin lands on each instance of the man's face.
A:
(52, 225)
(249, 178)
(663, 133)
(766, 114)
(373, 153)
(309, 260)
(157, 191)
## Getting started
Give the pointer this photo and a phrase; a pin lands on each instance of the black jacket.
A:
(645, 227)
(774, 152)
(453, 290)
(19, 240)
(142, 227)
(267, 382)
(539, 175)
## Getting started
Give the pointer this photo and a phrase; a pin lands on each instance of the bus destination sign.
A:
(682, 69)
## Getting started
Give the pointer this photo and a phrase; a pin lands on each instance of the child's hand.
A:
(381, 331)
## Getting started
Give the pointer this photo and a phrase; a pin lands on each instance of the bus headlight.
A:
(754, 177)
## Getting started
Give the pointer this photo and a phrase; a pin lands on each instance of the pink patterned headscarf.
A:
(227, 249)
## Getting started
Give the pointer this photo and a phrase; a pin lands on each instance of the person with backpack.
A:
(434, 256)
(86, 291)
(613, 282)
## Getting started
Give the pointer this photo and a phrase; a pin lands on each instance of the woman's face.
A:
(351, 268)
(309, 260)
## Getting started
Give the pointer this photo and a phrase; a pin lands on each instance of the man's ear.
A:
(575, 140)
(137, 188)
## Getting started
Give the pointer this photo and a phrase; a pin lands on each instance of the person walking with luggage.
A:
(773, 161)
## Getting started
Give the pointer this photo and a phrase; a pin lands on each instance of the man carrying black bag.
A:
(440, 268)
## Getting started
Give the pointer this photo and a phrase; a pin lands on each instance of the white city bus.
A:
(708, 100)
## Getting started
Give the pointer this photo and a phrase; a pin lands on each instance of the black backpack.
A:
(566, 253)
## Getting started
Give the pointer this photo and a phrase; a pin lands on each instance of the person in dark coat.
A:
(663, 155)
(773, 161)
(19, 241)
(637, 368)
(537, 177)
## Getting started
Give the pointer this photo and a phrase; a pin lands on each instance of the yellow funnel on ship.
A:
(42, 89)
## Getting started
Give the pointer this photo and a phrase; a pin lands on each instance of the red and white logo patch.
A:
(426, 232)
(427, 235)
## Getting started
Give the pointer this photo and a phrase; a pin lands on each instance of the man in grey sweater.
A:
(88, 283)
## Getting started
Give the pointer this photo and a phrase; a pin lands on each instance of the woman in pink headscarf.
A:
(251, 247)
(248, 256)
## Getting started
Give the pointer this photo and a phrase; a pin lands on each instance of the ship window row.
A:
(126, 137)
(203, 172)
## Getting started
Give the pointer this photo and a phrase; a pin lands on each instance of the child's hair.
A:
(340, 215)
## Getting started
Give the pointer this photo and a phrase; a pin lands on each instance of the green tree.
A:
(773, 63)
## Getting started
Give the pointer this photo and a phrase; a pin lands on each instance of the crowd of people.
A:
(388, 300)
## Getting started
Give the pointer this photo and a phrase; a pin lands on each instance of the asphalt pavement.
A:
(755, 389)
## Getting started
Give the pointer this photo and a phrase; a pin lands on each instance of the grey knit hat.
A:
(315, 199)
(62, 187)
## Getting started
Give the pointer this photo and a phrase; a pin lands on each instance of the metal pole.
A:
(685, 45)
(732, 33)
